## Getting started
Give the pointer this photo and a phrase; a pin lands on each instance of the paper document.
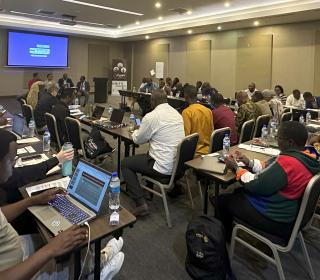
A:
(261, 150)
(21, 163)
(21, 151)
(60, 183)
(28, 140)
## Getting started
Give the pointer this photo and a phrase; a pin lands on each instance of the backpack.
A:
(207, 256)
(95, 144)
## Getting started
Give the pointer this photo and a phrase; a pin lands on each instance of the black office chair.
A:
(246, 131)
(216, 139)
(53, 129)
(27, 112)
(227, 101)
(285, 117)
(260, 122)
(286, 110)
(185, 152)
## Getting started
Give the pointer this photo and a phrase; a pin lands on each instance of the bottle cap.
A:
(114, 174)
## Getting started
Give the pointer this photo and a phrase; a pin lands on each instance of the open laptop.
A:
(18, 126)
(116, 117)
(86, 191)
(97, 113)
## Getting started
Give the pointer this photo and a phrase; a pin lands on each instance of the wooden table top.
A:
(229, 176)
(99, 226)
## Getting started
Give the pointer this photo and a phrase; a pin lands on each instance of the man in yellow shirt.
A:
(197, 119)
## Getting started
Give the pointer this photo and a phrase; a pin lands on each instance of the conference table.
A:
(220, 180)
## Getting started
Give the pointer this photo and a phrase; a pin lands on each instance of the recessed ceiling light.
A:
(256, 23)
(158, 5)
(102, 7)
(119, 26)
(189, 31)
(219, 27)
(189, 12)
(137, 22)
(147, 37)
(160, 18)
(227, 4)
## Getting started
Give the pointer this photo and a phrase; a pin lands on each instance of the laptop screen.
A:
(98, 111)
(18, 125)
(89, 185)
(117, 116)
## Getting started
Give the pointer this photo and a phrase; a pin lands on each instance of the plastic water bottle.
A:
(301, 119)
(109, 113)
(67, 165)
(308, 118)
(32, 128)
(264, 133)
(114, 195)
(132, 123)
(273, 129)
(76, 101)
(46, 141)
(226, 144)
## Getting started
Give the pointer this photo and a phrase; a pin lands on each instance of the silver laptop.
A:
(18, 126)
(86, 191)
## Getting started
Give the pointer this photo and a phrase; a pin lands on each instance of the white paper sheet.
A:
(60, 183)
(261, 150)
(28, 140)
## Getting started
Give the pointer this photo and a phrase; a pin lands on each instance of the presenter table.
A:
(99, 228)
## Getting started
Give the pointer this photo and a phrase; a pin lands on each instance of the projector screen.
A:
(37, 50)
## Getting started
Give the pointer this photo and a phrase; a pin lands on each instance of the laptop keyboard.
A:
(68, 210)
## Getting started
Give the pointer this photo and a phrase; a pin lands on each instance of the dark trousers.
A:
(237, 206)
(142, 164)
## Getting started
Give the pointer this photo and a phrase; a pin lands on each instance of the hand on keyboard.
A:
(47, 196)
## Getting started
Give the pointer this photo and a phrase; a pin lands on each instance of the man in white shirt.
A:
(251, 90)
(296, 100)
(163, 128)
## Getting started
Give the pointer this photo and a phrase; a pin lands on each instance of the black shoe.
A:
(175, 192)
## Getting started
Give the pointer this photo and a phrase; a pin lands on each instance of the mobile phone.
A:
(27, 158)
(82, 117)
(138, 122)
(221, 159)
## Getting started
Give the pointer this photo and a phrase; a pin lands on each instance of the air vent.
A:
(180, 11)
(45, 12)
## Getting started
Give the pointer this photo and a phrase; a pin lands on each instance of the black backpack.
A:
(95, 144)
(207, 257)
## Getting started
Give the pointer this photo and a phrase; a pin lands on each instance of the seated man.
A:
(223, 116)
(262, 104)
(149, 86)
(311, 101)
(270, 198)
(274, 103)
(251, 90)
(163, 129)
(197, 119)
(83, 89)
(61, 111)
(247, 110)
(35, 78)
(65, 82)
(296, 100)
(47, 100)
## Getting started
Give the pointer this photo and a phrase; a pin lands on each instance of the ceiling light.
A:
(227, 4)
(160, 18)
(256, 23)
(147, 37)
(137, 22)
(189, 31)
(219, 27)
(158, 5)
(119, 26)
(102, 7)
(189, 12)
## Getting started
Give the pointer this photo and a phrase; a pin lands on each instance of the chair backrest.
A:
(185, 152)
(53, 129)
(260, 122)
(285, 117)
(75, 134)
(23, 101)
(307, 207)
(246, 131)
(27, 112)
(216, 139)
(286, 110)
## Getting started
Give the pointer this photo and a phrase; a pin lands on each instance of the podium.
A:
(100, 90)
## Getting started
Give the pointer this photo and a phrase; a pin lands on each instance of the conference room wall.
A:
(292, 58)
(13, 81)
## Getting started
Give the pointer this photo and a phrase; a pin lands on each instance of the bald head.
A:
(242, 97)
(158, 97)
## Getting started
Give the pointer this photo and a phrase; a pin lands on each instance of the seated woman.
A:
(270, 197)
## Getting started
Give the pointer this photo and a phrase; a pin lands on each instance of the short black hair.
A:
(295, 131)
(280, 87)
(257, 96)
(217, 98)
(67, 92)
(35, 75)
(49, 75)
(307, 95)
(296, 90)
(6, 138)
(190, 91)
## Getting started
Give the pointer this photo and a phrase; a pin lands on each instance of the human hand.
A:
(64, 156)
(45, 197)
(241, 157)
(231, 163)
(67, 240)
(3, 121)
